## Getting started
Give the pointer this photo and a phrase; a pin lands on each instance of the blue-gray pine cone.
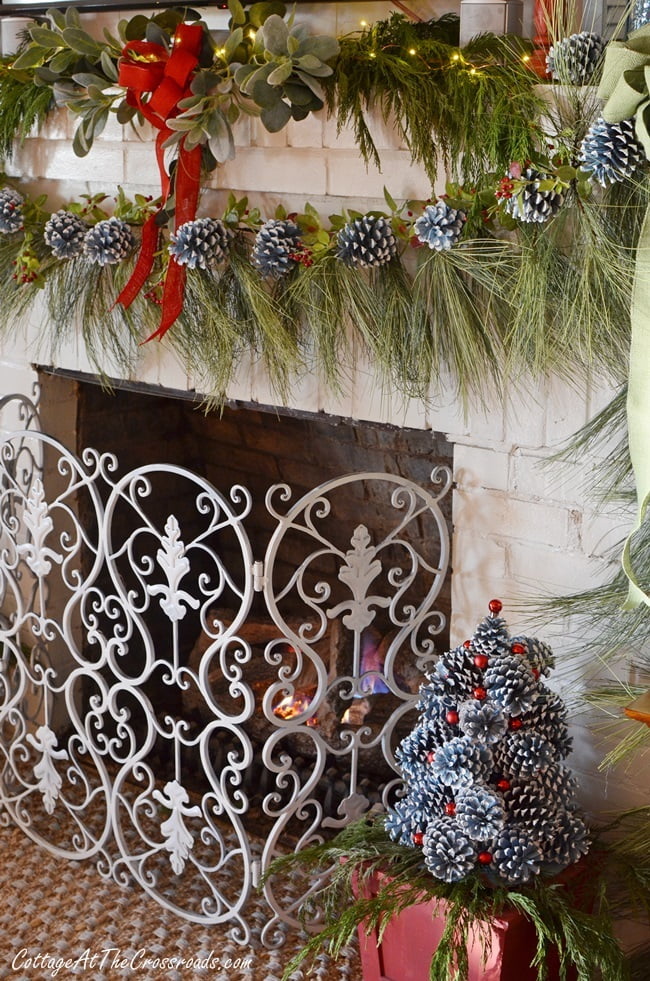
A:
(529, 809)
(108, 242)
(367, 241)
(433, 710)
(440, 226)
(491, 638)
(448, 853)
(555, 782)
(549, 718)
(575, 58)
(482, 721)
(412, 752)
(277, 240)
(406, 819)
(479, 812)
(516, 856)
(569, 841)
(522, 753)
(455, 674)
(511, 684)
(200, 243)
(611, 151)
(64, 234)
(540, 656)
(461, 762)
(11, 211)
(529, 204)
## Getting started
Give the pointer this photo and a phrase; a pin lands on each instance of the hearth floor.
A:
(64, 910)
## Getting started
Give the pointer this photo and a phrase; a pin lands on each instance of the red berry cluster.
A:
(24, 273)
(505, 189)
(304, 257)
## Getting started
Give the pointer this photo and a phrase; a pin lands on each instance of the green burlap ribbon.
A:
(625, 87)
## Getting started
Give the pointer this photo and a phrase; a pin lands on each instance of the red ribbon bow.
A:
(147, 68)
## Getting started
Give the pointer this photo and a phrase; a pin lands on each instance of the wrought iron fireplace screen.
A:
(180, 719)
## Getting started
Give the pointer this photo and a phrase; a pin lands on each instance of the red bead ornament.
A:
(467, 644)
(495, 606)
(450, 808)
(481, 661)
(418, 837)
(452, 717)
(535, 674)
(503, 784)
(484, 858)
(431, 756)
(517, 648)
(479, 694)
(515, 724)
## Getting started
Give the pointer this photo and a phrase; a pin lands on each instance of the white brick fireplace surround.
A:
(521, 529)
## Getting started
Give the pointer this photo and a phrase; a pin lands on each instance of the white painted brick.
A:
(506, 517)
(56, 161)
(483, 558)
(306, 132)
(399, 174)
(534, 475)
(17, 379)
(260, 136)
(470, 596)
(525, 414)
(486, 424)
(58, 125)
(602, 533)
(286, 170)
(140, 166)
(566, 411)
(115, 132)
(475, 467)
(552, 571)
(343, 140)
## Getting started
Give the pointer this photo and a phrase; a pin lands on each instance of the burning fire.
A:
(294, 705)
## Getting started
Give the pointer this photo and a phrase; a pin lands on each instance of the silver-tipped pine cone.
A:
(611, 151)
(276, 243)
(64, 234)
(440, 226)
(574, 59)
(108, 242)
(11, 211)
(201, 243)
(367, 241)
(529, 203)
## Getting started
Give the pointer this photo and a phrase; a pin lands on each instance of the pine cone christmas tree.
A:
(440, 226)
(611, 151)
(485, 791)
(275, 244)
(528, 203)
(64, 233)
(11, 211)
(367, 241)
(574, 59)
(200, 243)
(108, 242)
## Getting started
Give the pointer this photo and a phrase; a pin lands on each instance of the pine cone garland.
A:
(200, 243)
(515, 855)
(511, 684)
(64, 234)
(460, 762)
(611, 151)
(448, 853)
(440, 226)
(479, 813)
(574, 59)
(367, 241)
(530, 204)
(11, 211)
(275, 244)
(108, 242)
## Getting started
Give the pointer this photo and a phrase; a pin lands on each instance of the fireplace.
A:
(227, 629)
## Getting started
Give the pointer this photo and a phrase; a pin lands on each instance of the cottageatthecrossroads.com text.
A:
(113, 958)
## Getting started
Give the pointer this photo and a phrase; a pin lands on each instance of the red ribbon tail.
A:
(144, 264)
(172, 301)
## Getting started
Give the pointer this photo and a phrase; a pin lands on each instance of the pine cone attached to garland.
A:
(528, 203)
(275, 244)
(367, 241)
(200, 243)
(448, 852)
(611, 151)
(574, 59)
(108, 242)
(11, 211)
(64, 233)
(440, 226)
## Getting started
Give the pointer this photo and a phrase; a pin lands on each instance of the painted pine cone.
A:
(510, 683)
(448, 853)
(11, 211)
(482, 721)
(549, 717)
(455, 674)
(413, 750)
(275, 243)
(529, 809)
(574, 59)
(479, 813)
(611, 151)
(516, 857)
(523, 752)
(200, 243)
(539, 655)
(64, 234)
(108, 242)
(461, 762)
(367, 241)
(569, 841)
(491, 637)
(440, 226)
(529, 203)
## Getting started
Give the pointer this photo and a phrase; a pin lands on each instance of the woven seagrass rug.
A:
(62, 919)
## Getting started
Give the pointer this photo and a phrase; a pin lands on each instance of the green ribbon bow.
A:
(625, 86)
